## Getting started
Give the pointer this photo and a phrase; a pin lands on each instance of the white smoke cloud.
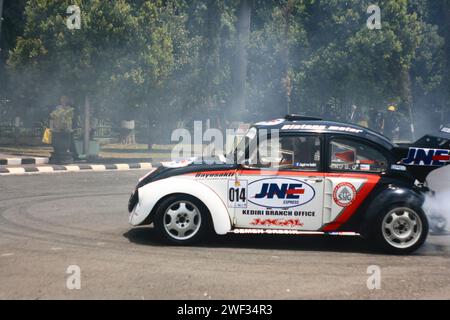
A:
(437, 205)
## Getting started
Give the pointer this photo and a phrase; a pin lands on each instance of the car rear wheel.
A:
(401, 229)
(181, 220)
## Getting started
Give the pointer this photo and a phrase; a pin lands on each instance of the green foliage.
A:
(175, 57)
(122, 52)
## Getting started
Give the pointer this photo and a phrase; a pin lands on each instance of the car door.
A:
(355, 169)
(282, 191)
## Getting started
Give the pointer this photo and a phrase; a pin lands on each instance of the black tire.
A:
(380, 237)
(169, 235)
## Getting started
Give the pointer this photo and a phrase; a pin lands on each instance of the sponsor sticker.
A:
(237, 193)
(398, 167)
(364, 167)
(285, 213)
(280, 193)
(214, 175)
(344, 194)
(291, 223)
(305, 165)
(427, 157)
(320, 128)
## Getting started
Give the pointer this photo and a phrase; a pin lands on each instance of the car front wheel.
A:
(181, 220)
(401, 229)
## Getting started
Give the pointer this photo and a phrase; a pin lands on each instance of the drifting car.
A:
(327, 178)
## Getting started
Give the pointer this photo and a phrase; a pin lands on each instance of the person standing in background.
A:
(376, 120)
(391, 123)
(65, 104)
(354, 116)
(357, 116)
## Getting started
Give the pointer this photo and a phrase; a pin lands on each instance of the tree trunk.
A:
(87, 125)
(1, 18)
(407, 98)
(241, 61)
(446, 9)
(286, 81)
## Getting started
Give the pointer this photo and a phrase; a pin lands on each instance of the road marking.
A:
(146, 165)
(98, 167)
(16, 170)
(75, 168)
(41, 160)
(101, 243)
(122, 166)
(14, 161)
(55, 248)
(7, 254)
(45, 169)
(72, 168)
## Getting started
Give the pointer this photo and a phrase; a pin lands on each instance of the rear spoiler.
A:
(427, 154)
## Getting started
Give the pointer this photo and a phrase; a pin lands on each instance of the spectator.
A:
(376, 120)
(65, 104)
(354, 115)
(392, 123)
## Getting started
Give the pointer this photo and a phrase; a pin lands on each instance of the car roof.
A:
(315, 125)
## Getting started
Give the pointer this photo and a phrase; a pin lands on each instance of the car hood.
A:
(185, 166)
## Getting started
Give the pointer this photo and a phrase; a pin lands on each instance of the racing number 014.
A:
(237, 194)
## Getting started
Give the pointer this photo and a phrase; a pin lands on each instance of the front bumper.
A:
(133, 201)
(138, 212)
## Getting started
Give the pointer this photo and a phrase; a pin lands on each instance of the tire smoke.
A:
(437, 202)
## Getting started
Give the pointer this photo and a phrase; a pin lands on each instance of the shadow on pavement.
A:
(147, 236)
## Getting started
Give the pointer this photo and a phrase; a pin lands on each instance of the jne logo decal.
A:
(280, 193)
(427, 157)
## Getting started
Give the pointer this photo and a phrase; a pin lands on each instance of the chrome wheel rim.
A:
(402, 228)
(182, 220)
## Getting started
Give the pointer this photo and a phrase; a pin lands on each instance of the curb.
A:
(21, 161)
(75, 168)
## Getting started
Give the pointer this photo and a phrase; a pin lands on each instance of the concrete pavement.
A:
(51, 222)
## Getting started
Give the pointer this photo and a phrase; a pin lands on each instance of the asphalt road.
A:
(50, 222)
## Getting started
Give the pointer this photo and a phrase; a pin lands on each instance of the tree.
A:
(123, 51)
(268, 57)
(11, 27)
(276, 52)
(240, 67)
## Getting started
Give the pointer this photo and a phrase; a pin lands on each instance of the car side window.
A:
(349, 155)
(291, 153)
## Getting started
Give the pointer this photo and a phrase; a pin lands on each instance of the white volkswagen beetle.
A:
(329, 178)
